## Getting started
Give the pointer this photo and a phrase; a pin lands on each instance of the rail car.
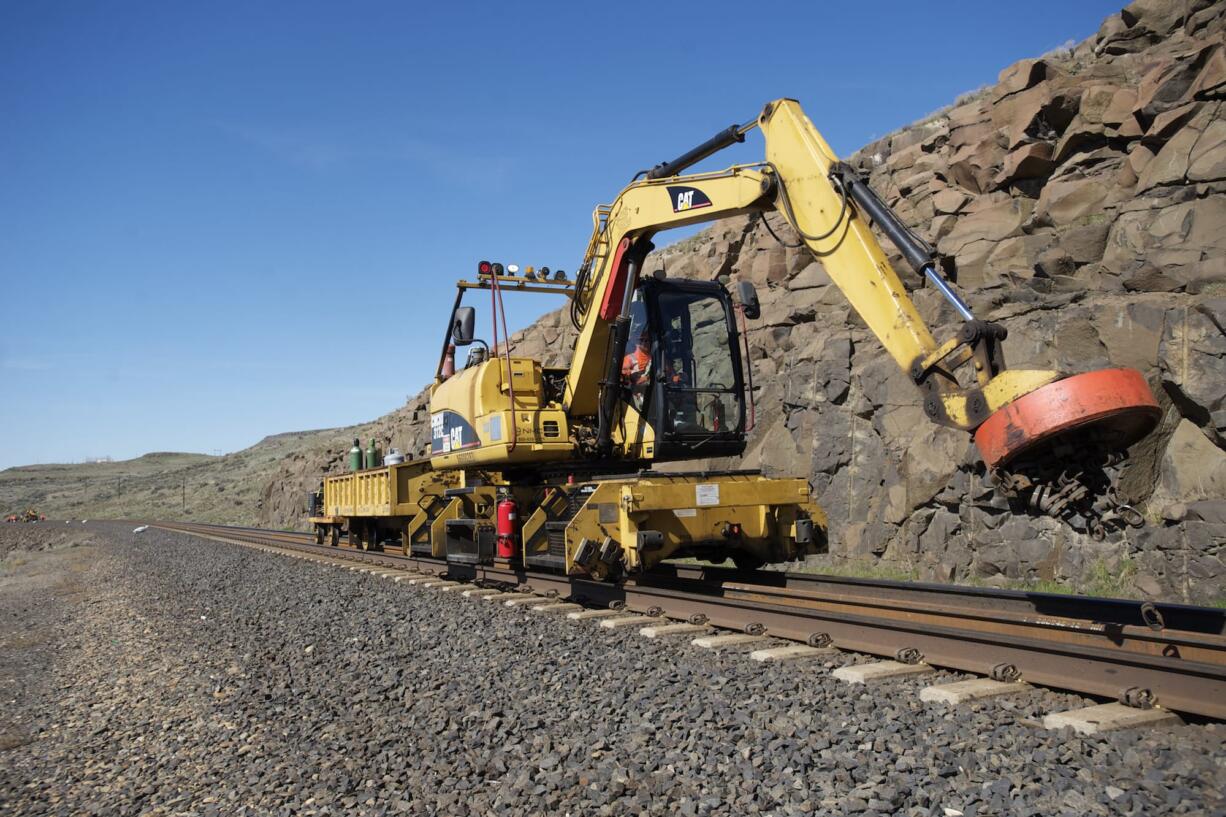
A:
(602, 526)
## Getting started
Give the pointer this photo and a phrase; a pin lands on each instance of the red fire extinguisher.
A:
(508, 528)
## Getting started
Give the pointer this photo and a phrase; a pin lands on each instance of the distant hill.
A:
(227, 489)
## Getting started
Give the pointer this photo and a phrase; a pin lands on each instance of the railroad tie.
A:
(625, 621)
(1094, 720)
(556, 607)
(879, 671)
(791, 653)
(716, 642)
(678, 628)
(973, 689)
(584, 615)
(508, 596)
(530, 598)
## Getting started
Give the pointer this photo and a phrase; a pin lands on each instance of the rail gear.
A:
(573, 446)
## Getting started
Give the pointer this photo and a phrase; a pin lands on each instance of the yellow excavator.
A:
(551, 467)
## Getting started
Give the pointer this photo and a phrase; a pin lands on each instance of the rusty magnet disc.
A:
(1118, 398)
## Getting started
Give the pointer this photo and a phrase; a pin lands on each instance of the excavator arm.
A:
(963, 380)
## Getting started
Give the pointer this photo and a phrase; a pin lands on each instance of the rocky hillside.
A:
(1081, 202)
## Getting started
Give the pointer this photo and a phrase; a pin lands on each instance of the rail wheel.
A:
(334, 538)
(319, 534)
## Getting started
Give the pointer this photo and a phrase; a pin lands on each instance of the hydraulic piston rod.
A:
(918, 254)
(730, 135)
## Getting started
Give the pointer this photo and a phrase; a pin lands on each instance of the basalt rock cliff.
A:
(1080, 202)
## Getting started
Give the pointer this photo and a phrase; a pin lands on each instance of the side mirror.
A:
(749, 300)
(462, 325)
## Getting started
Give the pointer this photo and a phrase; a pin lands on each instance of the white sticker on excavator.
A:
(682, 513)
(706, 493)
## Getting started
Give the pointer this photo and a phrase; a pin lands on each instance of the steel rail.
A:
(1171, 654)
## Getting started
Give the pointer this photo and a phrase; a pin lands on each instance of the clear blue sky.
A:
(224, 220)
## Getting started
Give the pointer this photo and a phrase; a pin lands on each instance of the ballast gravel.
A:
(191, 677)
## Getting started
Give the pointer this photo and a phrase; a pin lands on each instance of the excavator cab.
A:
(694, 394)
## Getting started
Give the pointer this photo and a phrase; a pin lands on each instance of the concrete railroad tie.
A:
(528, 599)
(556, 607)
(480, 592)
(420, 580)
(586, 614)
(680, 628)
(974, 689)
(879, 671)
(1095, 720)
(790, 653)
(614, 623)
(715, 642)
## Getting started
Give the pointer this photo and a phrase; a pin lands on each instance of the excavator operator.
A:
(636, 365)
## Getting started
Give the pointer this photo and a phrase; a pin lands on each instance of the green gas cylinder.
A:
(355, 456)
(372, 455)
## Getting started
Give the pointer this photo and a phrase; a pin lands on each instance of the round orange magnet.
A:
(1118, 398)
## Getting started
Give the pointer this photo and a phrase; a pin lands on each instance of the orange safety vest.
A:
(634, 365)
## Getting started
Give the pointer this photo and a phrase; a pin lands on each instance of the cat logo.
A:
(687, 198)
(450, 432)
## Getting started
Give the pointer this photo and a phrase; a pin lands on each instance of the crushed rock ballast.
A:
(192, 677)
